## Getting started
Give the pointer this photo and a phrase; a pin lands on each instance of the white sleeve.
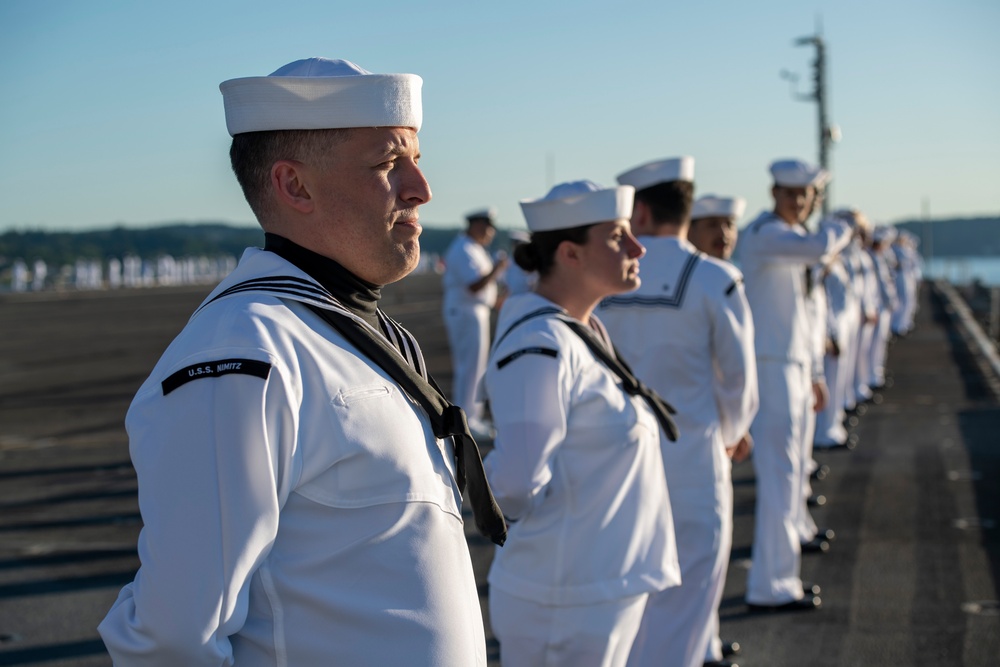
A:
(468, 268)
(784, 245)
(213, 461)
(735, 385)
(529, 403)
(818, 320)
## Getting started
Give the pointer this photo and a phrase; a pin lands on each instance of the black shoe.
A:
(849, 444)
(826, 534)
(820, 473)
(816, 545)
(816, 500)
(730, 649)
(721, 663)
(811, 589)
(807, 603)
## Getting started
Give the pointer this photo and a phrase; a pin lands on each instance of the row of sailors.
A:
(130, 271)
(759, 367)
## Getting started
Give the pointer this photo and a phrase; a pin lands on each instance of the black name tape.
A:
(214, 369)
(544, 351)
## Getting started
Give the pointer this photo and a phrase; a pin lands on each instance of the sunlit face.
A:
(611, 258)
(482, 232)
(715, 236)
(366, 197)
(793, 205)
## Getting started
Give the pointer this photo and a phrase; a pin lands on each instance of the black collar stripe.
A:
(277, 286)
(675, 300)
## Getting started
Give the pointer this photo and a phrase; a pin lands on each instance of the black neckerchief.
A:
(389, 352)
(600, 345)
(358, 296)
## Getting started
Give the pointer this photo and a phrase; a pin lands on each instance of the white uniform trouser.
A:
(469, 338)
(830, 421)
(680, 623)
(880, 344)
(804, 521)
(537, 635)
(785, 395)
(849, 367)
(862, 370)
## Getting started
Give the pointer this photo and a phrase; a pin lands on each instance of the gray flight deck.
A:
(911, 579)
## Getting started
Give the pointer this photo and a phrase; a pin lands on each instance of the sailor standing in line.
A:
(688, 329)
(776, 251)
(870, 304)
(907, 279)
(470, 293)
(714, 231)
(816, 308)
(854, 261)
(577, 463)
(300, 494)
(843, 320)
(882, 238)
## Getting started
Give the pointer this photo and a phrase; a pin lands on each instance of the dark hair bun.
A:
(526, 256)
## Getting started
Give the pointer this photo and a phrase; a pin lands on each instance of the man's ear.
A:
(288, 178)
(642, 219)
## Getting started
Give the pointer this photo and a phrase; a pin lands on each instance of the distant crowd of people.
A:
(129, 271)
(301, 474)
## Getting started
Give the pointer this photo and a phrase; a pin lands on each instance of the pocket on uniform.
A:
(377, 450)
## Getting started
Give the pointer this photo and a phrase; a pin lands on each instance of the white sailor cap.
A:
(489, 213)
(659, 171)
(793, 173)
(577, 203)
(851, 216)
(518, 236)
(711, 206)
(884, 234)
(317, 94)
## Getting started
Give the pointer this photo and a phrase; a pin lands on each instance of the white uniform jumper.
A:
(297, 508)
(577, 465)
(866, 334)
(775, 257)
(467, 319)
(688, 333)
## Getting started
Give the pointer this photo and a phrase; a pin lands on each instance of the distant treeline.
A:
(959, 237)
(178, 240)
(940, 238)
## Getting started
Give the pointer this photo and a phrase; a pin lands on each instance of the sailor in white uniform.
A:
(843, 320)
(470, 293)
(714, 231)
(776, 251)
(882, 238)
(870, 304)
(577, 464)
(299, 505)
(907, 281)
(688, 331)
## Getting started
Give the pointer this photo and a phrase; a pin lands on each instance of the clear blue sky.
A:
(111, 112)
